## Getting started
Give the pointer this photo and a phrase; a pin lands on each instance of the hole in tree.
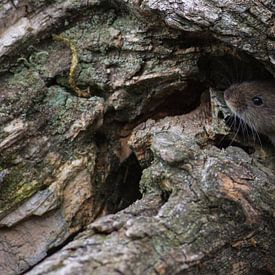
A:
(180, 101)
(100, 138)
(220, 115)
(124, 185)
(220, 72)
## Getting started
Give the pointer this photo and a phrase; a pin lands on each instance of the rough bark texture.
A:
(204, 207)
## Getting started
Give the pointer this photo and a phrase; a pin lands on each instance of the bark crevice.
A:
(147, 169)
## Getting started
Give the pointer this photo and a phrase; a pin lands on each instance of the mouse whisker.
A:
(242, 129)
(235, 135)
(246, 131)
(246, 136)
(232, 122)
(254, 130)
(229, 121)
(253, 103)
(258, 136)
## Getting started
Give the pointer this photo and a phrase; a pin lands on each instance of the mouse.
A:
(254, 103)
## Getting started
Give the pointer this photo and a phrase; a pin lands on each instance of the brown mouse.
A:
(254, 103)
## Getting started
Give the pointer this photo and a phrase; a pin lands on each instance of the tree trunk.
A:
(111, 157)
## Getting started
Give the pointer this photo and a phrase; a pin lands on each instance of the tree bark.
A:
(141, 172)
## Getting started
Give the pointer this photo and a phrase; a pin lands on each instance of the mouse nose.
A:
(226, 95)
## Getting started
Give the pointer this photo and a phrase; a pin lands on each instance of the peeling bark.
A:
(71, 164)
(215, 217)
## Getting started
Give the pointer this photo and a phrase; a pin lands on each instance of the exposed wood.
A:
(68, 164)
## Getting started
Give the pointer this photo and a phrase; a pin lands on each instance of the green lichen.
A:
(15, 189)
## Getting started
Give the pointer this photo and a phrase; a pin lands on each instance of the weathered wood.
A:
(210, 213)
(66, 160)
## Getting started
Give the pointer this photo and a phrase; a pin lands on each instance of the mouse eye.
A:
(257, 101)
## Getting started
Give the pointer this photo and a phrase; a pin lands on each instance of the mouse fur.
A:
(254, 103)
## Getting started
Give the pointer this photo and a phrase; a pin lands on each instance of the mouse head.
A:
(254, 103)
